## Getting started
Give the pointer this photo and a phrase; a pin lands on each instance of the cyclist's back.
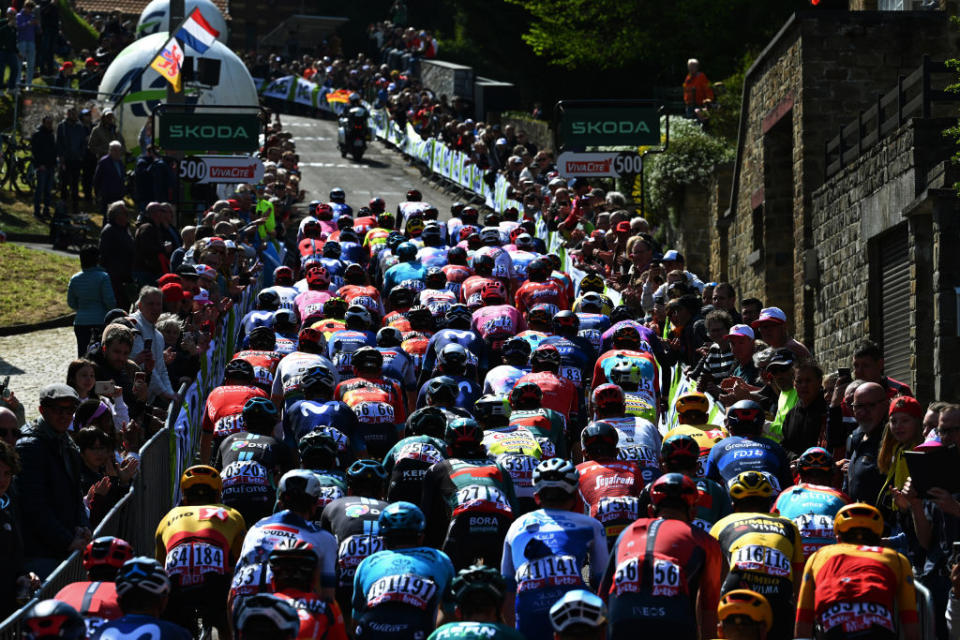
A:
(733, 455)
(135, 625)
(812, 508)
(319, 619)
(251, 464)
(407, 463)
(475, 631)
(196, 543)
(95, 601)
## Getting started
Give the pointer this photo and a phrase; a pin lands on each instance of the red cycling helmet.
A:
(324, 211)
(493, 290)
(283, 276)
(607, 394)
(108, 551)
(673, 485)
(317, 274)
(524, 393)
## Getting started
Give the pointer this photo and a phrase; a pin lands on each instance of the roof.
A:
(132, 7)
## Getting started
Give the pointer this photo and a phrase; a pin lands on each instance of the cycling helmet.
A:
(431, 213)
(463, 433)
(106, 551)
(263, 338)
(750, 484)
(441, 390)
(526, 394)
(469, 214)
(143, 573)
(318, 377)
(318, 275)
(539, 315)
(414, 226)
(745, 416)
(525, 242)
(592, 283)
(337, 195)
(456, 208)
(608, 394)
(592, 302)
(458, 313)
(578, 607)
(491, 219)
(546, 356)
(490, 236)
(453, 359)
(389, 337)
(400, 297)
(743, 602)
(556, 473)
(620, 313)
(815, 459)
(673, 485)
(284, 319)
(239, 370)
(267, 614)
(366, 472)
(599, 436)
(435, 278)
(268, 300)
(478, 580)
(680, 451)
(324, 212)
(334, 307)
(414, 196)
(299, 482)
(319, 441)
(377, 205)
(347, 233)
(483, 265)
(406, 252)
(693, 401)
(538, 270)
(625, 373)
(427, 421)
(385, 220)
(299, 559)
(395, 239)
(626, 336)
(313, 337)
(491, 408)
(431, 233)
(858, 515)
(420, 318)
(358, 315)
(457, 255)
(401, 518)
(367, 359)
(259, 412)
(516, 347)
(493, 292)
(53, 619)
(566, 322)
(332, 249)
(283, 276)
(201, 476)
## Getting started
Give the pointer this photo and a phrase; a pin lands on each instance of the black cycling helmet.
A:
(377, 205)
(441, 390)
(526, 395)
(674, 486)
(389, 337)
(492, 411)
(414, 195)
(679, 452)
(266, 615)
(538, 270)
(546, 357)
(296, 562)
(483, 265)
(452, 359)
(432, 235)
(320, 446)
(395, 239)
(367, 360)
(620, 313)
(366, 473)
(400, 296)
(263, 338)
(626, 336)
(344, 222)
(458, 316)
(479, 582)
(516, 350)
(469, 214)
(463, 434)
(745, 417)
(427, 421)
(239, 370)
(268, 300)
(456, 208)
(319, 378)
(599, 438)
(335, 307)
(815, 459)
(331, 249)
(142, 574)
(457, 255)
(420, 318)
(337, 195)
(385, 220)
(566, 323)
(259, 414)
(53, 619)
(435, 278)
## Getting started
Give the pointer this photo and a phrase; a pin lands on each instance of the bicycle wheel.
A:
(27, 172)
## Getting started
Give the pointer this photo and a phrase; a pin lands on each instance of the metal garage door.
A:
(895, 303)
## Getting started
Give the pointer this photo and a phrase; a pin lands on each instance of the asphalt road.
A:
(382, 172)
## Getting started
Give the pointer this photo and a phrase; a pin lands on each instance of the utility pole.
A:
(177, 10)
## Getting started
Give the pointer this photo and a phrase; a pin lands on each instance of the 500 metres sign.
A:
(208, 132)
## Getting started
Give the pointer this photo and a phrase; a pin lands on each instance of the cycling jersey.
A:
(363, 224)
(530, 294)
(250, 465)
(559, 394)
(286, 343)
(576, 357)
(853, 591)
(333, 486)
(353, 520)
(378, 405)
(520, 259)
(376, 241)
(648, 387)
(194, 542)
(305, 416)
(365, 296)
(287, 295)
(264, 365)
(639, 440)
(736, 454)
(609, 490)
(253, 320)
(433, 256)
(310, 303)
(516, 450)
(658, 569)
(468, 339)
(328, 326)
(352, 252)
(544, 555)
(415, 344)
(468, 391)
(501, 379)
(502, 263)
(342, 344)
(456, 275)
(404, 272)
(396, 593)
(706, 436)
(812, 508)
(223, 412)
(475, 631)
(319, 619)
(547, 426)
(289, 373)
(496, 323)
(468, 505)
(95, 601)
(649, 340)
(470, 290)
(135, 625)
(407, 463)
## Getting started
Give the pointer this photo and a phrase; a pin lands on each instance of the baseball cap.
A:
(206, 271)
(214, 241)
(107, 112)
(54, 392)
(173, 292)
(781, 358)
(91, 61)
(66, 65)
(187, 271)
(202, 296)
(623, 227)
(908, 405)
(741, 330)
(168, 278)
(771, 315)
(672, 256)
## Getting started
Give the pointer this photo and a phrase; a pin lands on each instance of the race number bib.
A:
(374, 412)
(619, 508)
(328, 495)
(552, 570)
(263, 375)
(520, 467)
(573, 375)
(343, 361)
(352, 552)
(475, 497)
(856, 616)
(228, 425)
(419, 452)
(667, 578)
(191, 560)
(343, 442)
(407, 588)
(760, 559)
(246, 474)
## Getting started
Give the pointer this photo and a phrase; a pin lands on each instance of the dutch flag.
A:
(197, 32)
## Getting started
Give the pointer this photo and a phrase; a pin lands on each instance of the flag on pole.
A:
(168, 63)
(197, 33)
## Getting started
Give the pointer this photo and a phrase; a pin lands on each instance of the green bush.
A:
(77, 31)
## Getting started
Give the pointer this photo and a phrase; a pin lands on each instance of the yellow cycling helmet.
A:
(750, 484)
(858, 515)
(201, 475)
(743, 602)
(415, 226)
(694, 401)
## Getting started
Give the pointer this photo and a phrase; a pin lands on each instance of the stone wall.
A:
(447, 78)
(692, 230)
(539, 131)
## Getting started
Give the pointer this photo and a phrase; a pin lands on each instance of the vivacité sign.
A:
(208, 131)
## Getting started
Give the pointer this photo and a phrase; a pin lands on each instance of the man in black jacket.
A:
(72, 149)
(43, 144)
(55, 521)
(117, 248)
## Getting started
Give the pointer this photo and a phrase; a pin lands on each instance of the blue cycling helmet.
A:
(365, 471)
(402, 518)
(406, 251)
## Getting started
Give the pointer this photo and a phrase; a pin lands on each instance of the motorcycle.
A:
(353, 133)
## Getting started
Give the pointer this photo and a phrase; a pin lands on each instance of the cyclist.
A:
(471, 288)
(744, 615)
(502, 378)
(222, 413)
(852, 589)
(260, 350)
(546, 425)
(198, 544)
(559, 394)
(458, 319)
(454, 363)
(408, 461)
(266, 617)
(357, 291)
(646, 339)
(628, 344)
(407, 270)
(478, 593)
(746, 449)
(343, 344)
(493, 319)
(679, 454)
(812, 504)
(397, 363)
(540, 288)
(397, 591)
(317, 410)
(285, 326)
(546, 551)
(143, 590)
(664, 574)
(252, 461)
(434, 251)
(267, 302)
(442, 392)
(309, 354)
(320, 453)
(609, 487)
(294, 571)
(517, 450)
(764, 551)
(579, 615)
(283, 286)
(638, 438)
(639, 388)
(310, 302)
(297, 498)
(468, 500)
(96, 599)
(53, 619)
(691, 410)
(416, 340)
(376, 401)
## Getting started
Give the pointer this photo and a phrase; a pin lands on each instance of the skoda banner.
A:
(596, 124)
(208, 131)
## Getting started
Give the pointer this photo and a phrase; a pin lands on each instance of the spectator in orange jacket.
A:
(696, 88)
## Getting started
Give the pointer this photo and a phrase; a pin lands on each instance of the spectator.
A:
(717, 361)
(103, 481)
(28, 26)
(54, 519)
(772, 326)
(150, 255)
(104, 134)
(49, 33)
(689, 332)
(65, 78)
(725, 299)
(90, 294)
(71, 149)
(696, 88)
(43, 146)
(113, 363)
(143, 180)
(89, 78)
(9, 426)
(180, 351)
(89, 160)
(149, 345)
(117, 251)
(904, 432)
(805, 424)
(863, 477)
(868, 366)
(9, 54)
(13, 575)
(750, 310)
(109, 176)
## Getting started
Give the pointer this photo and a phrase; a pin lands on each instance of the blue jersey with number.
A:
(736, 454)
(812, 508)
(305, 416)
(576, 359)
(134, 625)
(467, 394)
(500, 380)
(466, 338)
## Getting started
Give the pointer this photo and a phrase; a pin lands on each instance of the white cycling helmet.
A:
(577, 607)
(556, 473)
(263, 612)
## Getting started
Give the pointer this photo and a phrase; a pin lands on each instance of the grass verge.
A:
(16, 214)
(34, 284)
